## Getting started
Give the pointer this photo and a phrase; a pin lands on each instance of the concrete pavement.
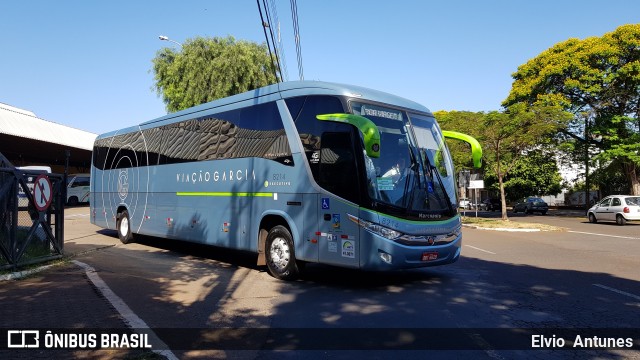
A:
(62, 297)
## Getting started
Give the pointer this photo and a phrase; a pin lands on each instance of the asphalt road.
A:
(584, 277)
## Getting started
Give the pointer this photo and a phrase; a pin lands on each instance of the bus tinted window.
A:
(255, 131)
(329, 146)
(180, 142)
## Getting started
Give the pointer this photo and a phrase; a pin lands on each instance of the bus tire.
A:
(123, 225)
(280, 256)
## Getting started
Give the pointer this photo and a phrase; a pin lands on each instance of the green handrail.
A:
(368, 129)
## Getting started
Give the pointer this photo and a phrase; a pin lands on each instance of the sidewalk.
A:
(61, 297)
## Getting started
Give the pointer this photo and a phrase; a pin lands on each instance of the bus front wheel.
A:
(124, 227)
(280, 255)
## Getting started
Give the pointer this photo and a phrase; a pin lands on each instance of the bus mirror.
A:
(476, 149)
(369, 130)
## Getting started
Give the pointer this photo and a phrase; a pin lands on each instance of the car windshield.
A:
(414, 174)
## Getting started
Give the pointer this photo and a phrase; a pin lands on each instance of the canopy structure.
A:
(26, 139)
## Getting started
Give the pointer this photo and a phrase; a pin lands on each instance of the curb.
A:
(501, 229)
(22, 274)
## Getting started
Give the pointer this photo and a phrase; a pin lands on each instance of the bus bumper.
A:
(384, 254)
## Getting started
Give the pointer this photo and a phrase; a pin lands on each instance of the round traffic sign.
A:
(42, 192)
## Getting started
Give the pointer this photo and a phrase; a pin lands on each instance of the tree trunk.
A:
(631, 171)
(503, 202)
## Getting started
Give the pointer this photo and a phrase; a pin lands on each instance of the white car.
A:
(465, 203)
(78, 188)
(618, 208)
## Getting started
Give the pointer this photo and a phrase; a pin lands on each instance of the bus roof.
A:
(286, 90)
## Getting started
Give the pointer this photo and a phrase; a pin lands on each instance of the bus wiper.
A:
(433, 169)
(414, 168)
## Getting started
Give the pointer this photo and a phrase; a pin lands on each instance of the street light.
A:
(166, 38)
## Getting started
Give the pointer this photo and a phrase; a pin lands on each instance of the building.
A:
(26, 139)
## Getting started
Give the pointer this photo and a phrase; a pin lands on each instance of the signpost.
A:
(475, 185)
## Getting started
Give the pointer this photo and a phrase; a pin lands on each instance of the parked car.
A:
(464, 203)
(78, 188)
(530, 205)
(618, 208)
(491, 204)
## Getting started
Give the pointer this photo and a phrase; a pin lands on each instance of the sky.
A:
(87, 64)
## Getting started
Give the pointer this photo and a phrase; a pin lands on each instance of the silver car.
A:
(618, 208)
(530, 205)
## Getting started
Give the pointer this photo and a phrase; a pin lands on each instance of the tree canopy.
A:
(534, 174)
(597, 80)
(506, 137)
(205, 69)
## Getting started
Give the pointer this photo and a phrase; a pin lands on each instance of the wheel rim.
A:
(280, 254)
(124, 226)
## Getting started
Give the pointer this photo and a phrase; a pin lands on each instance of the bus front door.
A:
(338, 239)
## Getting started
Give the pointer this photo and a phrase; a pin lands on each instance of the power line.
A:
(273, 41)
(296, 33)
(279, 49)
(264, 28)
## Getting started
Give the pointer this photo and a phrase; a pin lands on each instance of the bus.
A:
(297, 172)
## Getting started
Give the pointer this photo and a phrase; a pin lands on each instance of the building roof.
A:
(25, 124)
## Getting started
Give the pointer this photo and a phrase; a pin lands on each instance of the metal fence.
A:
(31, 216)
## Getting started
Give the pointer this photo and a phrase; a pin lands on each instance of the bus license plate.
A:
(429, 256)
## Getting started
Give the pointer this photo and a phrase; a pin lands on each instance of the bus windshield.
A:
(413, 177)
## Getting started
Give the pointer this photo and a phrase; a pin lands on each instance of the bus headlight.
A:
(376, 228)
(406, 239)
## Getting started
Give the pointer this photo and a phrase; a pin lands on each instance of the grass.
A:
(35, 249)
(506, 224)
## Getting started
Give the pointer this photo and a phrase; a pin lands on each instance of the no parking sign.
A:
(42, 192)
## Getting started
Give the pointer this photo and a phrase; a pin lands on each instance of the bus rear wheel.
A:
(123, 225)
(280, 256)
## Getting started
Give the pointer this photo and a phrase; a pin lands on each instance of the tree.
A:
(206, 69)
(507, 137)
(459, 121)
(598, 81)
(534, 174)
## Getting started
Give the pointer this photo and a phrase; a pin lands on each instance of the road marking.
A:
(615, 236)
(133, 320)
(618, 291)
(487, 251)
(75, 215)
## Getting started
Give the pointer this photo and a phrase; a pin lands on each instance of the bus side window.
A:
(338, 165)
(304, 109)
